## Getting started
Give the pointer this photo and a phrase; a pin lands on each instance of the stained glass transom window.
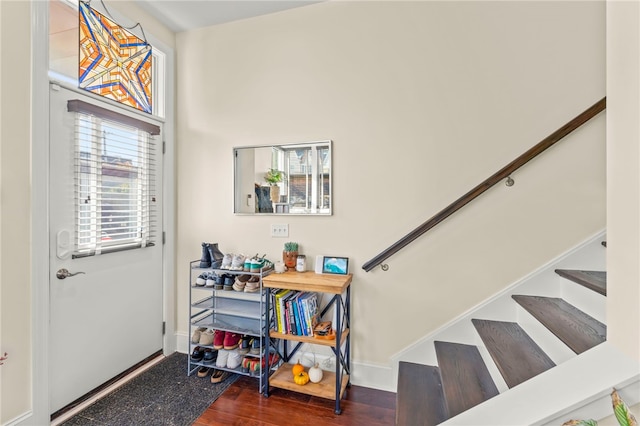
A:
(113, 62)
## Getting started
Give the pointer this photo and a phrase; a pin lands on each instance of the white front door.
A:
(108, 317)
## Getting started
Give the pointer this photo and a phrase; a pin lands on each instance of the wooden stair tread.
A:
(516, 355)
(420, 399)
(465, 379)
(593, 280)
(575, 328)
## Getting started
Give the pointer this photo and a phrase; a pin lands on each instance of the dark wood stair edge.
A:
(466, 381)
(586, 279)
(514, 352)
(420, 399)
(578, 330)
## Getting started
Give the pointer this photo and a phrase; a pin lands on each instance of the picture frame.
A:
(335, 265)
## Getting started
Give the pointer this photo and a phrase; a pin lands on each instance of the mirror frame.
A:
(241, 180)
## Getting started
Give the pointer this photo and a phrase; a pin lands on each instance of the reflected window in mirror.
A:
(283, 179)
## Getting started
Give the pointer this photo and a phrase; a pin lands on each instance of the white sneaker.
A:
(234, 359)
(223, 356)
(238, 262)
(226, 261)
(202, 279)
(210, 280)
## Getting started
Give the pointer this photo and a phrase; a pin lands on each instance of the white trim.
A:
(21, 418)
(39, 211)
(159, 75)
(169, 197)
(61, 81)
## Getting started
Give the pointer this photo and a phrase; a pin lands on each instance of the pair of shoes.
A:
(197, 354)
(211, 280)
(240, 282)
(246, 364)
(253, 285)
(210, 356)
(257, 263)
(237, 264)
(225, 340)
(228, 358)
(245, 344)
(256, 345)
(228, 283)
(234, 360)
(247, 263)
(254, 366)
(205, 260)
(218, 281)
(219, 375)
(203, 371)
(211, 256)
(268, 265)
(206, 279)
(253, 264)
(195, 337)
(206, 337)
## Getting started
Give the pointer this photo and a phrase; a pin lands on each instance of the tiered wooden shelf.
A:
(332, 385)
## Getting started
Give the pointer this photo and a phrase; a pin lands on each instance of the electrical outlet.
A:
(280, 231)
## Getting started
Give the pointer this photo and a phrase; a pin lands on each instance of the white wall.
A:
(623, 175)
(15, 309)
(423, 100)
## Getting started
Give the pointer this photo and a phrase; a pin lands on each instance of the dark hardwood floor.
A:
(241, 404)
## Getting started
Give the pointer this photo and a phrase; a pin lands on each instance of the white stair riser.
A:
(584, 299)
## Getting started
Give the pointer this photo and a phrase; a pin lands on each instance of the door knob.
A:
(64, 273)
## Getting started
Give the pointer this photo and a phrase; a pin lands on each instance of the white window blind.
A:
(115, 185)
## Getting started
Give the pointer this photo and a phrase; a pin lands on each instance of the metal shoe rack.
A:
(233, 311)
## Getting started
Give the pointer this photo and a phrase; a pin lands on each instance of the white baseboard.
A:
(22, 419)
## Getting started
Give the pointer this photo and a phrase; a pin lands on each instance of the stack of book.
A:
(296, 312)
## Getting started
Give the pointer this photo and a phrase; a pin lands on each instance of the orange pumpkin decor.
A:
(297, 368)
(302, 378)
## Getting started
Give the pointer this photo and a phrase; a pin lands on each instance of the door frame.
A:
(40, 412)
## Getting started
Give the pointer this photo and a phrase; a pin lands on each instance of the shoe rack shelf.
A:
(333, 384)
(229, 311)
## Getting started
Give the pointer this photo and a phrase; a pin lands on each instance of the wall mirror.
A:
(283, 179)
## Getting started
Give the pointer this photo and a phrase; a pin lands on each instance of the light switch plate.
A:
(280, 231)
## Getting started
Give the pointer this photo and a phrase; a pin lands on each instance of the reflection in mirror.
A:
(283, 179)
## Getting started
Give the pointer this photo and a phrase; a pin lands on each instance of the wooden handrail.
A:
(503, 173)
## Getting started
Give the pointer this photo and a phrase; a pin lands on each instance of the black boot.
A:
(205, 261)
(215, 254)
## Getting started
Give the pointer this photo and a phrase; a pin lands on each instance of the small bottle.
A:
(301, 263)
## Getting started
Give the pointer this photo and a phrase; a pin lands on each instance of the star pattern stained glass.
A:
(114, 63)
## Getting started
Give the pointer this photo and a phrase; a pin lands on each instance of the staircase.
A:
(514, 338)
